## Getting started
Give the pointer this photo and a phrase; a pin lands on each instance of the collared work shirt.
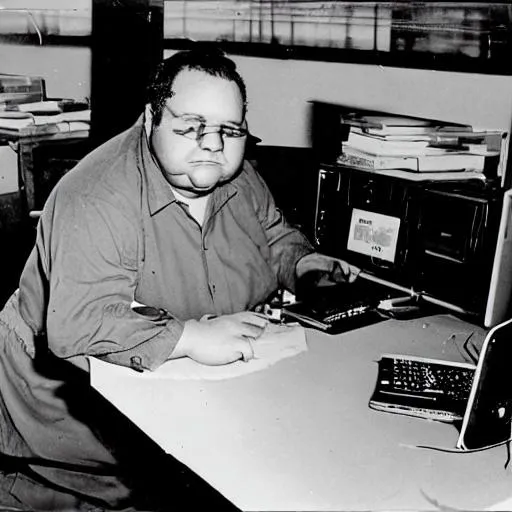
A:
(113, 232)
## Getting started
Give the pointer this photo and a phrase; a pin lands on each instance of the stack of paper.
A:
(43, 118)
(378, 143)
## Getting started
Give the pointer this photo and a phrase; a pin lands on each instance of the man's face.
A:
(195, 163)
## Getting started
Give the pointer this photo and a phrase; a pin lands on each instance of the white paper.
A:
(373, 234)
(277, 343)
(8, 170)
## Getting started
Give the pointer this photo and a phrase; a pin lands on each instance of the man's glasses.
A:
(195, 127)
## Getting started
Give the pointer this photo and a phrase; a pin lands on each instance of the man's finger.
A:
(343, 271)
(246, 349)
(255, 319)
(354, 274)
(253, 331)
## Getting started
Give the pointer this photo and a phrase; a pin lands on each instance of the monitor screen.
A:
(498, 307)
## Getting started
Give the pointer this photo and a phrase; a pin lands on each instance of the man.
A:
(166, 214)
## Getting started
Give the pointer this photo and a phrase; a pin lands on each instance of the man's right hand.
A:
(220, 340)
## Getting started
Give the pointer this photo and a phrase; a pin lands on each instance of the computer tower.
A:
(434, 238)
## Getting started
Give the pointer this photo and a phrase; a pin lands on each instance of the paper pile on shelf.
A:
(16, 89)
(46, 118)
(388, 143)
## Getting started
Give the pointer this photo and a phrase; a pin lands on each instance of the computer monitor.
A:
(499, 300)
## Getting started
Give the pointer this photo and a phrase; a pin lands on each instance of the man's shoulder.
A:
(249, 182)
(247, 176)
(109, 171)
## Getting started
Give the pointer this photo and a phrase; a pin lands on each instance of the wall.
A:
(66, 70)
(279, 91)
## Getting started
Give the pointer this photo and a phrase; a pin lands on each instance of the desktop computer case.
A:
(446, 238)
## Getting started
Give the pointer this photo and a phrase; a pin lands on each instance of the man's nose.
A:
(211, 140)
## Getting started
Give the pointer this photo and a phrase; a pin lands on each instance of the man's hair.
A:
(209, 60)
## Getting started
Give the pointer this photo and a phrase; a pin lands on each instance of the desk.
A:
(300, 435)
(44, 159)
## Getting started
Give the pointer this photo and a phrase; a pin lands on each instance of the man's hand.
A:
(220, 340)
(332, 270)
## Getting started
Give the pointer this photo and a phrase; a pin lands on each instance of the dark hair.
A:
(209, 60)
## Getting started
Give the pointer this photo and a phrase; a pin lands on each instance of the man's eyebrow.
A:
(200, 117)
(203, 118)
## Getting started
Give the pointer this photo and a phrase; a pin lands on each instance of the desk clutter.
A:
(385, 142)
(478, 398)
(278, 342)
(26, 111)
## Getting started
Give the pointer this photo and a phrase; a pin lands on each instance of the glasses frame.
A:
(226, 132)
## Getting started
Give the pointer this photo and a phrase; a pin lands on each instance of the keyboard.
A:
(422, 387)
(417, 376)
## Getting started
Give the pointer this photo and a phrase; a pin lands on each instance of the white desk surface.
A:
(300, 436)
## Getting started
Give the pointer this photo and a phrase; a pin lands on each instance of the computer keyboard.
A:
(426, 388)
(423, 376)
(335, 314)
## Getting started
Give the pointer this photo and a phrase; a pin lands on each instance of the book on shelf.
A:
(359, 140)
(16, 89)
(440, 162)
(482, 142)
(390, 125)
(34, 130)
(39, 107)
(73, 116)
(434, 176)
(21, 123)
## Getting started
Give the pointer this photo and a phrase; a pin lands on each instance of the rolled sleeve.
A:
(95, 255)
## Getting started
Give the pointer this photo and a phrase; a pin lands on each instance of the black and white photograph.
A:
(255, 255)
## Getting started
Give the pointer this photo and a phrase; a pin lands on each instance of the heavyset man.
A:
(167, 214)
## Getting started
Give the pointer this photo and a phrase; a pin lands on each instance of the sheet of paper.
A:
(373, 234)
(277, 343)
(8, 170)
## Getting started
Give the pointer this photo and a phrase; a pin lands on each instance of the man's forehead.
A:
(199, 92)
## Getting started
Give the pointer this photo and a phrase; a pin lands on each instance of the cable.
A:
(458, 450)
(34, 23)
(30, 17)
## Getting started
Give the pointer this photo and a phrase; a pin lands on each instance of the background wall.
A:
(279, 90)
(67, 70)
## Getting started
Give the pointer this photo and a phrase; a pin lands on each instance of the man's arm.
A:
(287, 244)
(92, 254)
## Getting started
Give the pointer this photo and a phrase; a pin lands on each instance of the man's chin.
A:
(203, 191)
(196, 191)
(205, 186)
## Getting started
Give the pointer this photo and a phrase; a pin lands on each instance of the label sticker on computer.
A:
(373, 234)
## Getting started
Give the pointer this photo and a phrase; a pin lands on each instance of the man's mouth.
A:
(205, 162)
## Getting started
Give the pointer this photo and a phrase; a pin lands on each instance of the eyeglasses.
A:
(195, 127)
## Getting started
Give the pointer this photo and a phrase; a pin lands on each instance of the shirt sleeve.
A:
(94, 253)
(287, 244)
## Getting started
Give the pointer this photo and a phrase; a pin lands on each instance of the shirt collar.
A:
(159, 192)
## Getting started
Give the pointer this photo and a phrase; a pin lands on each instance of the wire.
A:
(30, 17)
(474, 357)
(36, 27)
(458, 450)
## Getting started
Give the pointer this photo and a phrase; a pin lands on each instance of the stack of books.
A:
(16, 89)
(46, 118)
(412, 145)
